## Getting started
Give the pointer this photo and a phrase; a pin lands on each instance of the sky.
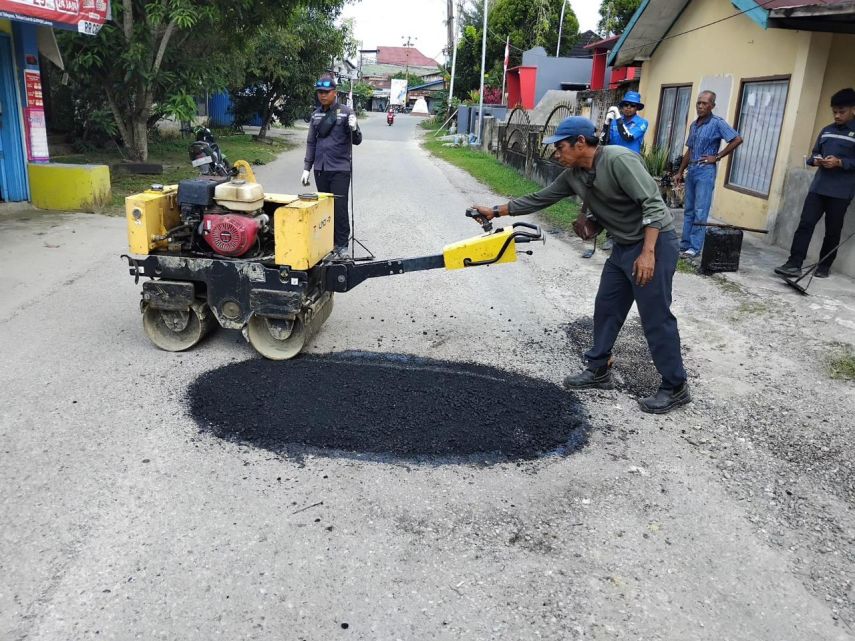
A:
(389, 22)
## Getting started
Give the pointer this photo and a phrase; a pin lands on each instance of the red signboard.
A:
(83, 16)
(33, 82)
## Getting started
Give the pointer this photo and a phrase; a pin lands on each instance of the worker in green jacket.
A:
(624, 199)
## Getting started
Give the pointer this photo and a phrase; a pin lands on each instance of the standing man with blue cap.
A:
(627, 129)
(623, 197)
(333, 131)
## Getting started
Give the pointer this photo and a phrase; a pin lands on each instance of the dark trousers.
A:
(337, 183)
(615, 296)
(815, 206)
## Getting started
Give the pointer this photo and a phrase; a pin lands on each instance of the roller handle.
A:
(486, 225)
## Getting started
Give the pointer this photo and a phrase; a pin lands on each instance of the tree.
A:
(615, 15)
(151, 51)
(283, 62)
(528, 23)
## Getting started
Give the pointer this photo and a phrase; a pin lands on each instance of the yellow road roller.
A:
(219, 250)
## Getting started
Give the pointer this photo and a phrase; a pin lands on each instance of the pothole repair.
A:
(634, 371)
(388, 406)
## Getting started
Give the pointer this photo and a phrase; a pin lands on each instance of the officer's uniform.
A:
(830, 193)
(628, 133)
(329, 149)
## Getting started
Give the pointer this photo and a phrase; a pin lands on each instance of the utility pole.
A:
(483, 62)
(409, 43)
(453, 65)
(560, 27)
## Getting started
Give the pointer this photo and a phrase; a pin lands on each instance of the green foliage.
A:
(500, 178)
(841, 363)
(528, 23)
(615, 15)
(656, 161)
(141, 62)
(283, 62)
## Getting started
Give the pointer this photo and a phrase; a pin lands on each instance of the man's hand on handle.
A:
(304, 179)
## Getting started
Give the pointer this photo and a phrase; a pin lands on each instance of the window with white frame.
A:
(760, 116)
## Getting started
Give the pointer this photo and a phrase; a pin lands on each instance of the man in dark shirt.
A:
(613, 182)
(333, 131)
(832, 188)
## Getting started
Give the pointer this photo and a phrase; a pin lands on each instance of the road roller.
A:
(218, 250)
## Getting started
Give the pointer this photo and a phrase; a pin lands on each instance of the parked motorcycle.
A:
(206, 156)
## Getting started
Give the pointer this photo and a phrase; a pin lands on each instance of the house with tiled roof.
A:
(774, 66)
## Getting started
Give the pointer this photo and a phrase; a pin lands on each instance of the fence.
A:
(521, 143)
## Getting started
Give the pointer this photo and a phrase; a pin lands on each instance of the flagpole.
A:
(483, 62)
(505, 72)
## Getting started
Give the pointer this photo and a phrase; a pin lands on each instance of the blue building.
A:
(25, 31)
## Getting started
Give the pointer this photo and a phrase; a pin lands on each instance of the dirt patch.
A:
(634, 371)
(392, 406)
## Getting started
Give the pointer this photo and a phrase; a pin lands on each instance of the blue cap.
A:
(571, 128)
(326, 83)
(633, 98)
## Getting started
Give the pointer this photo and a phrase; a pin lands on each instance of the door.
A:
(13, 166)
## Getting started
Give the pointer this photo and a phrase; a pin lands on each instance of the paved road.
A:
(119, 519)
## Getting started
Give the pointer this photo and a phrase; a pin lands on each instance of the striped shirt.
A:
(705, 137)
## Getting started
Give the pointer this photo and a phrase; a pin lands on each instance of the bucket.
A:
(722, 246)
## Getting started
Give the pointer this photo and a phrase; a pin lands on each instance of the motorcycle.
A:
(206, 156)
(390, 117)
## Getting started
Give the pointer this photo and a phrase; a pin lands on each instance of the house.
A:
(774, 66)
(540, 73)
(378, 66)
(26, 30)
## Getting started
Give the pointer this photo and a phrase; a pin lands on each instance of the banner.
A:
(398, 91)
(83, 16)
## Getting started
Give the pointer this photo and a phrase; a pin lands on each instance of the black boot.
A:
(601, 378)
(666, 399)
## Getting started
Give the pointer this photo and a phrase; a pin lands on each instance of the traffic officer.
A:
(333, 131)
(832, 189)
(625, 200)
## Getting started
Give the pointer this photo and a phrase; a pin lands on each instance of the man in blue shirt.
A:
(832, 188)
(702, 154)
(629, 129)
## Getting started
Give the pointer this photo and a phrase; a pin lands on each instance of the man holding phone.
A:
(832, 188)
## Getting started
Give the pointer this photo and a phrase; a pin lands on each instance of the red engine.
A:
(230, 234)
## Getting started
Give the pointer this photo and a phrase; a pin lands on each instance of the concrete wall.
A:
(551, 71)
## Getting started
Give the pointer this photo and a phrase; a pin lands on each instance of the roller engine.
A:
(222, 215)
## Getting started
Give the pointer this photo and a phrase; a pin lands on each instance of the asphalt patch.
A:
(633, 370)
(388, 407)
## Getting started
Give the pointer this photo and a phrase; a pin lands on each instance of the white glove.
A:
(305, 178)
(351, 120)
(612, 114)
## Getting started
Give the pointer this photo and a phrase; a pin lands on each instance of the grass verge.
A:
(841, 363)
(172, 154)
(499, 177)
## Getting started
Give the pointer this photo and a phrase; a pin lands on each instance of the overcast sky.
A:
(389, 22)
